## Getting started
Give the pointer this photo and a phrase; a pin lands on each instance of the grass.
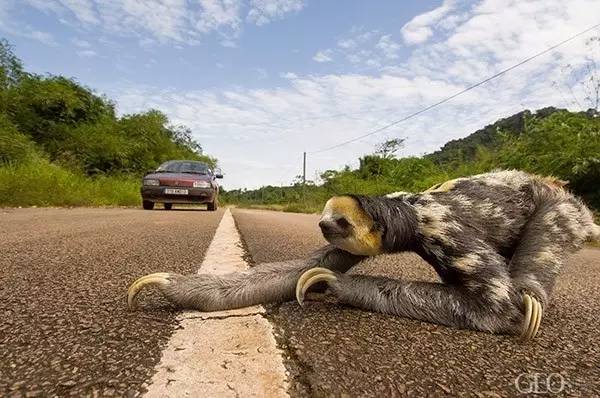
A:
(292, 207)
(303, 208)
(40, 183)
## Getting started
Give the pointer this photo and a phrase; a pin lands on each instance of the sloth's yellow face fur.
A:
(347, 226)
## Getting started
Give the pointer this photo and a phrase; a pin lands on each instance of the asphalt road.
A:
(65, 328)
(340, 351)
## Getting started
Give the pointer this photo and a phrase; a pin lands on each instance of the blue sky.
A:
(260, 81)
(252, 56)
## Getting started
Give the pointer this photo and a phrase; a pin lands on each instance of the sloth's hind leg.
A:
(555, 230)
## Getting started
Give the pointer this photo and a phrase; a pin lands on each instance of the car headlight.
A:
(201, 184)
(151, 182)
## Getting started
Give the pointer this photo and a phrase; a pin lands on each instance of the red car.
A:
(181, 181)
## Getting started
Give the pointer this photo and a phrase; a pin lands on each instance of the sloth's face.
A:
(346, 225)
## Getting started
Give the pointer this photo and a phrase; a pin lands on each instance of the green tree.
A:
(44, 106)
(11, 67)
(389, 148)
(182, 136)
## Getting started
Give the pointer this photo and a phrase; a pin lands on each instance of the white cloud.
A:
(81, 43)
(229, 43)
(42, 37)
(262, 73)
(10, 26)
(259, 134)
(265, 11)
(361, 48)
(289, 75)
(273, 126)
(346, 43)
(87, 53)
(216, 14)
(179, 21)
(323, 56)
(84, 10)
(420, 28)
(388, 46)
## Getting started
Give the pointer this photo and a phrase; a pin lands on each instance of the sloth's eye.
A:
(342, 222)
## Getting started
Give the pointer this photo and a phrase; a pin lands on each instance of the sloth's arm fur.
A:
(438, 303)
(264, 283)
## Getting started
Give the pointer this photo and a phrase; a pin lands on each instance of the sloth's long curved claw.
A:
(533, 317)
(309, 278)
(159, 278)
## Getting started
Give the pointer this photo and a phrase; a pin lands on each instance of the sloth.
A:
(497, 241)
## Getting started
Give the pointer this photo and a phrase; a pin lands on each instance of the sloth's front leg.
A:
(431, 302)
(264, 283)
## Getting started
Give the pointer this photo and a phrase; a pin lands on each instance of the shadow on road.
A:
(184, 209)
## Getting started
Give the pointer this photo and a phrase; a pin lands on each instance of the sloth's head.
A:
(345, 224)
(367, 225)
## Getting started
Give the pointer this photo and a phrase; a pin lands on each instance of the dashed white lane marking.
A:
(225, 353)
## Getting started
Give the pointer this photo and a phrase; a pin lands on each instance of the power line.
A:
(286, 125)
(387, 126)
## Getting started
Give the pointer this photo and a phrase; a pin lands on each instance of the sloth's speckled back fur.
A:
(491, 238)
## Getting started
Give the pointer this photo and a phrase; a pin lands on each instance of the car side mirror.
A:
(218, 173)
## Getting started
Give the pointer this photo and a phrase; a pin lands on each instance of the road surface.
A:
(65, 329)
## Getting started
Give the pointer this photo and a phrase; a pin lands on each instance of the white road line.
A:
(225, 353)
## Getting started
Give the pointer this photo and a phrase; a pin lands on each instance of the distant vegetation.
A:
(549, 142)
(62, 144)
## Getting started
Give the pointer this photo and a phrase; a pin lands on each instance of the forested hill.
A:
(490, 137)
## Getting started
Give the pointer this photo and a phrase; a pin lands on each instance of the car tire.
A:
(212, 206)
(148, 205)
(168, 206)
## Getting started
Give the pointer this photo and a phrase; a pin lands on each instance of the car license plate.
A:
(173, 191)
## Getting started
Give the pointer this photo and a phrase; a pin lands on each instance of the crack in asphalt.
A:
(219, 317)
(299, 384)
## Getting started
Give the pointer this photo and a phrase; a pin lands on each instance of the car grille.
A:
(176, 183)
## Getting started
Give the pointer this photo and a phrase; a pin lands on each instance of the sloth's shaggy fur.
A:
(492, 238)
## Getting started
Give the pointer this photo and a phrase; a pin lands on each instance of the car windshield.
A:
(183, 167)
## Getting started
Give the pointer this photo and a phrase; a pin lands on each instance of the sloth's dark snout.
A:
(333, 227)
(328, 227)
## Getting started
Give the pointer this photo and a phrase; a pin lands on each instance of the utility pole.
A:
(304, 170)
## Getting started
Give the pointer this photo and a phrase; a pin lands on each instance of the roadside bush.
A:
(14, 146)
(565, 145)
(40, 183)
